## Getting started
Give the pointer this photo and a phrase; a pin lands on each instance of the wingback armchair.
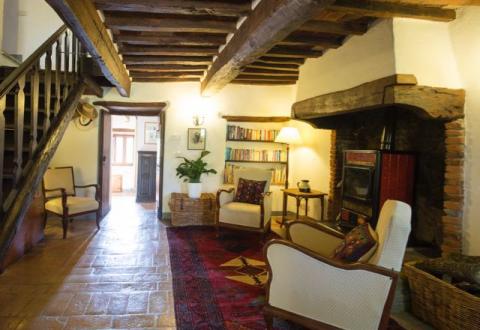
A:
(59, 191)
(310, 288)
(245, 216)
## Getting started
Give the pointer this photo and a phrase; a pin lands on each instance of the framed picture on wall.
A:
(151, 132)
(197, 139)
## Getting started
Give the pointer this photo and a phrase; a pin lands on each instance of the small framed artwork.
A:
(197, 139)
(151, 133)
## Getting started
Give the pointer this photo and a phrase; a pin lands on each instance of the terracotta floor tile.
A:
(137, 303)
(98, 304)
(116, 277)
(134, 321)
(89, 322)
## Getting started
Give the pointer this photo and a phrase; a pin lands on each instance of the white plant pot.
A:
(194, 190)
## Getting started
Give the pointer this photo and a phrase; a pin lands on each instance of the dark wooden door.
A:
(146, 176)
(104, 159)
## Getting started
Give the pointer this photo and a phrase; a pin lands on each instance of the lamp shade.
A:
(288, 135)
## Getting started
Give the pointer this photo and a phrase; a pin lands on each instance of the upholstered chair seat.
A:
(74, 204)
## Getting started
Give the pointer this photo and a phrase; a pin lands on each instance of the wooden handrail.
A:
(12, 79)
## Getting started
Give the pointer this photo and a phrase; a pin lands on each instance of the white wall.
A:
(37, 21)
(80, 147)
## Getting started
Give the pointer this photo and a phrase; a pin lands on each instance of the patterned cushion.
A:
(360, 241)
(249, 191)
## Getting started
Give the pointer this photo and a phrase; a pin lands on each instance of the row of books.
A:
(278, 174)
(241, 133)
(255, 155)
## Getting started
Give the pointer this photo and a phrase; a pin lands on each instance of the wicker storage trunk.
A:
(441, 304)
(192, 211)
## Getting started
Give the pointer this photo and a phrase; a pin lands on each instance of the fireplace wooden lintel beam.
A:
(393, 91)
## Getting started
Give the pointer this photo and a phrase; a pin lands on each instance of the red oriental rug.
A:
(218, 282)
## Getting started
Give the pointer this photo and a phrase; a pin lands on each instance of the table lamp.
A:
(288, 135)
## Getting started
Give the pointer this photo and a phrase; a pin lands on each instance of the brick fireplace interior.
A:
(430, 140)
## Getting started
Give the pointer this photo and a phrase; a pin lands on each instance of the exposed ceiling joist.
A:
(390, 9)
(166, 80)
(83, 19)
(172, 39)
(138, 23)
(166, 68)
(173, 50)
(342, 28)
(439, 3)
(269, 23)
(198, 7)
(187, 60)
(269, 72)
(273, 66)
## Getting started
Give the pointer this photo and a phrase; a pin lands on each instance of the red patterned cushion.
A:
(249, 191)
(358, 242)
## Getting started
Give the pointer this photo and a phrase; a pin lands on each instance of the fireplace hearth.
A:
(396, 113)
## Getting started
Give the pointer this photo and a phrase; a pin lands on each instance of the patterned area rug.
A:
(218, 283)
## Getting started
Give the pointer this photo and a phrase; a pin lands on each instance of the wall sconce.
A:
(198, 120)
(86, 114)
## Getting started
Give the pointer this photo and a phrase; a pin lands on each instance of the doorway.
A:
(131, 152)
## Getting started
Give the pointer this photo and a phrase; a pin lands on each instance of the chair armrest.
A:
(346, 296)
(224, 196)
(97, 189)
(314, 237)
(265, 208)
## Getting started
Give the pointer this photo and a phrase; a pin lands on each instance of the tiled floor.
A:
(118, 277)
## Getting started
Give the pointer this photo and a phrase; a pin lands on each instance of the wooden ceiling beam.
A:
(166, 68)
(263, 82)
(269, 23)
(167, 50)
(299, 39)
(343, 29)
(172, 39)
(269, 72)
(243, 76)
(166, 80)
(186, 60)
(436, 3)
(138, 23)
(281, 60)
(195, 74)
(390, 9)
(177, 7)
(273, 66)
(82, 17)
(279, 51)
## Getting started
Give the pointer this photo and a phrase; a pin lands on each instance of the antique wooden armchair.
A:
(59, 191)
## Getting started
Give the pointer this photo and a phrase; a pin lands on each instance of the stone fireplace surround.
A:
(427, 121)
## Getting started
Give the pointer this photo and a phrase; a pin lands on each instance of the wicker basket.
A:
(441, 304)
(192, 211)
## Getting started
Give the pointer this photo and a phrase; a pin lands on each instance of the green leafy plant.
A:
(192, 170)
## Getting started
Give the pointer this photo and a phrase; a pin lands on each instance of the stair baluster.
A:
(19, 123)
(47, 86)
(66, 63)
(58, 68)
(3, 105)
(34, 100)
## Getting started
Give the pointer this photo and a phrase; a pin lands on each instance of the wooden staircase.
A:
(37, 101)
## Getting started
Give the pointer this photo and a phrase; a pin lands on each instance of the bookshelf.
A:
(251, 143)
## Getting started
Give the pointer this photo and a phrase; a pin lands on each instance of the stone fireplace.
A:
(424, 120)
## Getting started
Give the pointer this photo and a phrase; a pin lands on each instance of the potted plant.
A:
(192, 170)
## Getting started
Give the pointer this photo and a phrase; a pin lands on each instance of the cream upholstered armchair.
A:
(245, 216)
(59, 191)
(309, 288)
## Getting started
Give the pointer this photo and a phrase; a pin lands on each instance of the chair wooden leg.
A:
(45, 217)
(97, 218)
(268, 320)
(65, 226)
